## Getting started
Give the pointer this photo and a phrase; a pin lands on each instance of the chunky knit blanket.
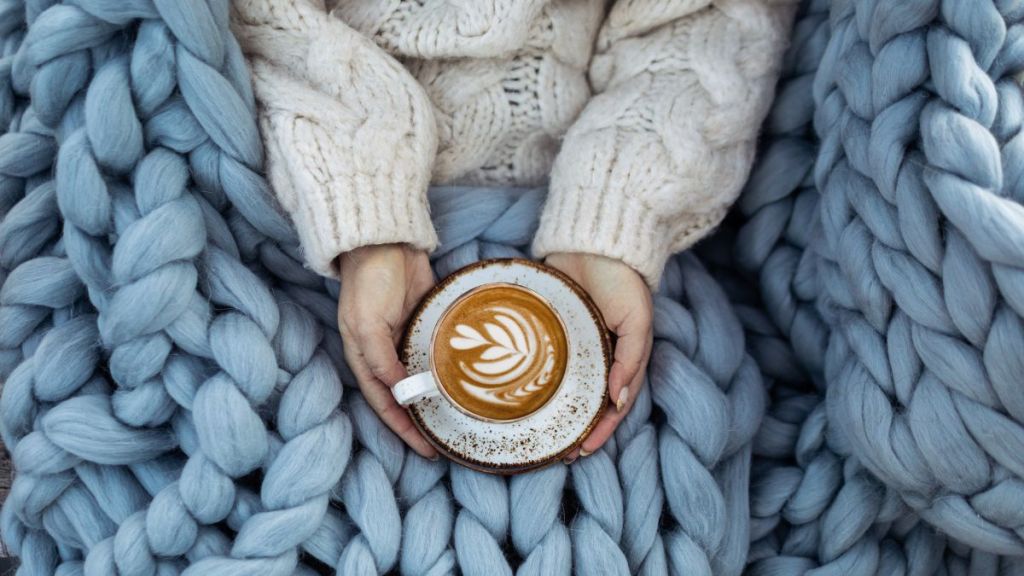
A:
(836, 385)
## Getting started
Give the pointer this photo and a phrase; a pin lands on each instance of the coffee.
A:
(500, 352)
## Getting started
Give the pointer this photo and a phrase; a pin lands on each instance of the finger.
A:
(375, 343)
(632, 350)
(610, 420)
(379, 397)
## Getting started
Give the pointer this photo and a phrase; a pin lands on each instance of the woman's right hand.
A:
(380, 287)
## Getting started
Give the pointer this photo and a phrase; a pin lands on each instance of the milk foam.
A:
(510, 344)
(500, 352)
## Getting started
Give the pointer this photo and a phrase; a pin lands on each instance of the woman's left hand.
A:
(624, 300)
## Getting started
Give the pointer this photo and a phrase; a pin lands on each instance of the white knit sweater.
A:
(642, 116)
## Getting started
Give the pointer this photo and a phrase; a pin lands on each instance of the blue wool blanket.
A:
(836, 387)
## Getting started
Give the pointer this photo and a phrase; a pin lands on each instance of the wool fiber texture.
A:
(835, 386)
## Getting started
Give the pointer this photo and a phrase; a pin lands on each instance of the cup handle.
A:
(415, 388)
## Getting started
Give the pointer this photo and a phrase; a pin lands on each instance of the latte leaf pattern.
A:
(513, 359)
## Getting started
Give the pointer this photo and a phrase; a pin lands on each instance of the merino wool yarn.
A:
(835, 386)
(852, 241)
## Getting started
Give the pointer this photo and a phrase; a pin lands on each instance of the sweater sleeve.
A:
(349, 134)
(663, 148)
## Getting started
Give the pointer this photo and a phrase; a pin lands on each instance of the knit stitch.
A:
(925, 357)
(324, 138)
(780, 244)
(647, 166)
(155, 437)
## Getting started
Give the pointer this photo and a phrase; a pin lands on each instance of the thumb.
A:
(632, 348)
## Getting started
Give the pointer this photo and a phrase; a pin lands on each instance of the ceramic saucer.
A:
(559, 426)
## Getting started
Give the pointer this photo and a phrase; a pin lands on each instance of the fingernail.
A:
(623, 398)
(569, 459)
(585, 452)
(434, 458)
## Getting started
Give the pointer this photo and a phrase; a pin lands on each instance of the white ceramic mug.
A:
(507, 350)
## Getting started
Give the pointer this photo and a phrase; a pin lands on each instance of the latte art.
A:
(506, 353)
(514, 362)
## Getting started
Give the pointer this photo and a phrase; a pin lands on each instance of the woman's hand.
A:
(624, 300)
(380, 287)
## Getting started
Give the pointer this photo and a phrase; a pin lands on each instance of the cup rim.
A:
(606, 355)
(437, 327)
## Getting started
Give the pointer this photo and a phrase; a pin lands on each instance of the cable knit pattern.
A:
(500, 120)
(449, 29)
(647, 167)
(657, 157)
(215, 439)
(330, 102)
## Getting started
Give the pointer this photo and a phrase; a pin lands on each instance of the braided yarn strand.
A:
(778, 219)
(919, 116)
(155, 238)
(833, 388)
(40, 305)
(811, 509)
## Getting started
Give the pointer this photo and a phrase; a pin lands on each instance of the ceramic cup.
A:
(509, 365)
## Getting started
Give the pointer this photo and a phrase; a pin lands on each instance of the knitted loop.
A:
(173, 373)
(368, 492)
(537, 532)
(482, 522)
(917, 307)
(598, 524)
(638, 470)
(128, 245)
(428, 520)
(712, 397)
(370, 503)
(806, 481)
(30, 294)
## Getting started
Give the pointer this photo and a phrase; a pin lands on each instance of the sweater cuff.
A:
(339, 194)
(611, 225)
(330, 223)
(349, 134)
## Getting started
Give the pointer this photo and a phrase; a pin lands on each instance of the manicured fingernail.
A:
(623, 398)
(585, 452)
(569, 459)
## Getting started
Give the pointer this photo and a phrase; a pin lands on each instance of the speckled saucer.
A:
(555, 429)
